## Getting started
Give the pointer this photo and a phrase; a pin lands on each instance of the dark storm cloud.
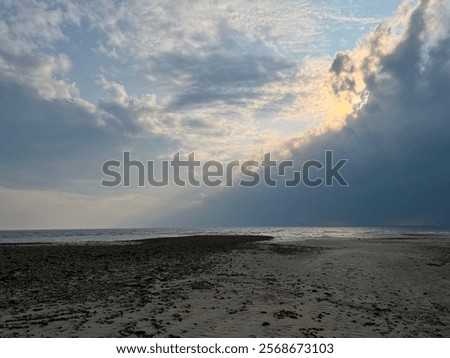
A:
(398, 145)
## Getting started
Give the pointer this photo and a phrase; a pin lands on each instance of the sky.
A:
(82, 82)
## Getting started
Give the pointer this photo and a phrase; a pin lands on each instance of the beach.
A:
(227, 286)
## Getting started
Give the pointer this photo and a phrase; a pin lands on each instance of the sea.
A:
(280, 234)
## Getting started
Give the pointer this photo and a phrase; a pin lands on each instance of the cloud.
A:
(48, 128)
(44, 139)
(187, 27)
(243, 57)
(28, 28)
(397, 141)
(226, 80)
(206, 69)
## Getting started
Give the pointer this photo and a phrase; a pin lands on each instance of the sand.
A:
(227, 286)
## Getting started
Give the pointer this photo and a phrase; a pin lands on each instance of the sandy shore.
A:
(227, 287)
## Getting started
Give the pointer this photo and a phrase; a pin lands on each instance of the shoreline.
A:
(156, 240)
(227, 286)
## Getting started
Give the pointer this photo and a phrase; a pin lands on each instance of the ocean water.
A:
(279, 233)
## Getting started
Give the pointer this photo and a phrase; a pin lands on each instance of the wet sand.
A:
(227, 286)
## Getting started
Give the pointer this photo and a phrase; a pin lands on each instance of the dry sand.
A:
(223, 286)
